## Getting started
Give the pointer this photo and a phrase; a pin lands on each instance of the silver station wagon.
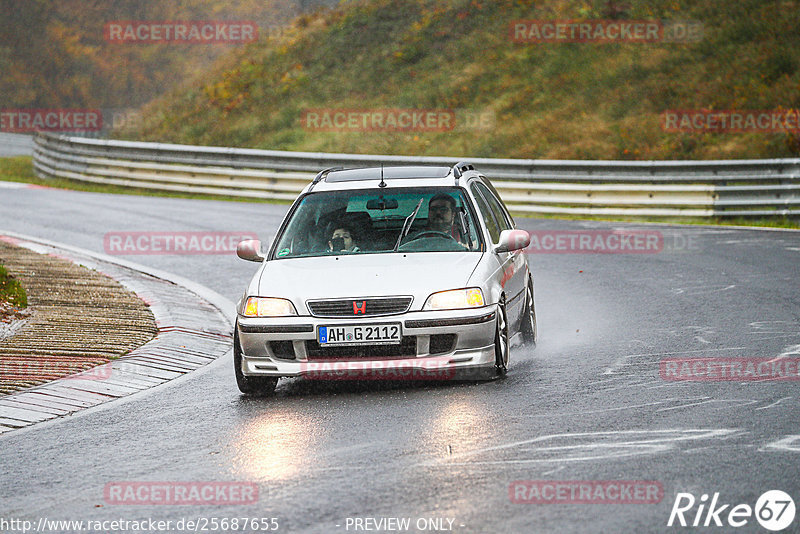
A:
(386, 273)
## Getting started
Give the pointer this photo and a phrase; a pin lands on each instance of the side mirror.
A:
(511, 240)
(250, 250)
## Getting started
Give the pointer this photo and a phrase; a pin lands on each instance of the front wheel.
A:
(259, 386)
(501, 346)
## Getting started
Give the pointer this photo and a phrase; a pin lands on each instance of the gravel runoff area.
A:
(77, 319)
(193, 327)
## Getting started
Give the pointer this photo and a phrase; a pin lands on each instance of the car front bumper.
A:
(450, 344)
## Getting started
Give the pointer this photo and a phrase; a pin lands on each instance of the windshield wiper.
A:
(465, 225)
(407, 225)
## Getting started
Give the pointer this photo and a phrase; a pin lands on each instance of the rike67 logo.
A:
(774, 510)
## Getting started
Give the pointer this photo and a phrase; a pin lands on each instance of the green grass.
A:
(11, 291)
(18, 169)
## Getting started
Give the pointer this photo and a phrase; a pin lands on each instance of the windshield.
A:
(379, 221)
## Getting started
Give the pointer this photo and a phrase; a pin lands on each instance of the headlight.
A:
(455, 299)
(268, 307)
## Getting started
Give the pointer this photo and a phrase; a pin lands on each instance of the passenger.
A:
(343, 240)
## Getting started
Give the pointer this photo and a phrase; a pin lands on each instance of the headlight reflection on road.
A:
(274, 446)
(457, 425)
(461, 423)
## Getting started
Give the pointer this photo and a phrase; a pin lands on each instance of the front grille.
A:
(406, 349)
(359, 307)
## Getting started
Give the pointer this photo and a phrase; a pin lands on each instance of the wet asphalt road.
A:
(586, 404)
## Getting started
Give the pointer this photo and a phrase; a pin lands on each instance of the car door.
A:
(515, 272)
(504, 259)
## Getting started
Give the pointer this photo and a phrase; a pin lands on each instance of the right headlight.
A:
(455, 299)
(268, 307)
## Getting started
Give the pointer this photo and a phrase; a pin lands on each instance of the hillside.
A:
(56, 55)
(584, 100)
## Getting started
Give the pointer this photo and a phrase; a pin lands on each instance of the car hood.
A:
(364, 275)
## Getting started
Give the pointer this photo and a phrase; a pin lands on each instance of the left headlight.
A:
(455, 299)
(268, 307)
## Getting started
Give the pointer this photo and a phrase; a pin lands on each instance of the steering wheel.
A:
(432, 233)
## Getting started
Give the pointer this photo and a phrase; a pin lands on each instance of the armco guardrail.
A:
(638, 188)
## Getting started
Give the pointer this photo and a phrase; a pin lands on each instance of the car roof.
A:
(389, 173)
(405, 176)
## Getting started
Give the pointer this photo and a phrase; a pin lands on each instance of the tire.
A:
(528, 328)
(501, 345)
(257, 386)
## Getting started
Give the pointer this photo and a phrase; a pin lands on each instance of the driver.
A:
(441, 214)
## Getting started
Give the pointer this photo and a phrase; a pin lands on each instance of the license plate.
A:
(366, 334)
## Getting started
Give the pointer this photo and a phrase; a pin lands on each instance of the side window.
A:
(508, 216)
(503, 220)
(486, 213)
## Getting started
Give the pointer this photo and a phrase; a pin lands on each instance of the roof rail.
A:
(461, 167)
(322, 174)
